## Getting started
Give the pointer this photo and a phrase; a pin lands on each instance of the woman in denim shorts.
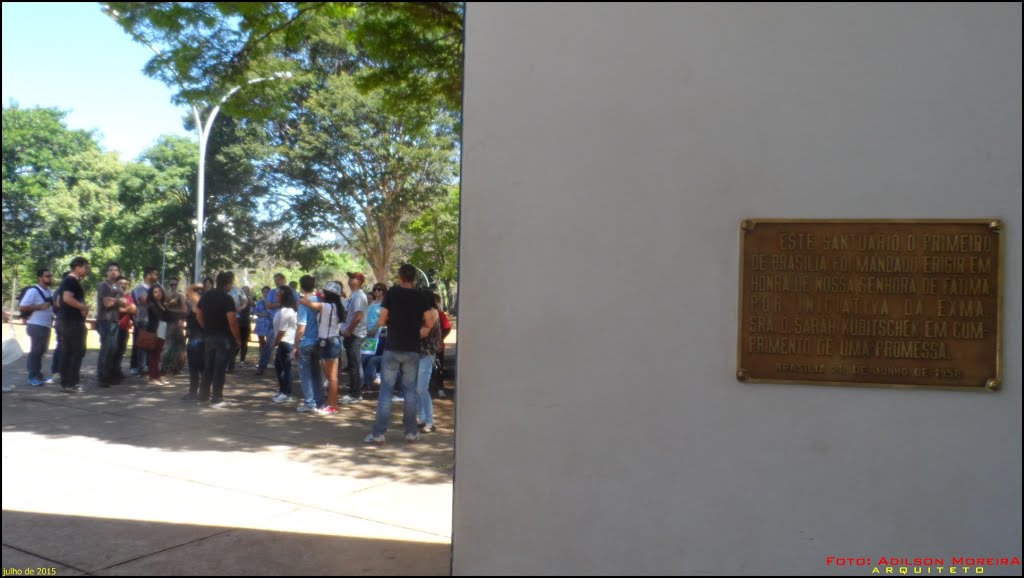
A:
(330, 314)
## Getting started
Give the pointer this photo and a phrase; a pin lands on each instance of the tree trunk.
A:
(14, 294)
(379, 261)
(381, 274)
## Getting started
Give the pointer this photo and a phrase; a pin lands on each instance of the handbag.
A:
(148, 341)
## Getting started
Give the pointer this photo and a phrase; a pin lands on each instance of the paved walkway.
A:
(129, 480)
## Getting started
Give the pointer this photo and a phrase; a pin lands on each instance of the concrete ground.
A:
(130, 480)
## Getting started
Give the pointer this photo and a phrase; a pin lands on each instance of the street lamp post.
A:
(204, 129)
(204, 134)
(163, 262)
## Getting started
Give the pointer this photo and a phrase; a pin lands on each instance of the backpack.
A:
(25, 290)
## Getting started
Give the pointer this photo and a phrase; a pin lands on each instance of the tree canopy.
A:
(343, 155)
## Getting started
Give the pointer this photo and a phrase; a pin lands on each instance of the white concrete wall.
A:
(600, 426)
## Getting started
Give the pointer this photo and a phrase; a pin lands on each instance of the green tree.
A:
(416, 52)
(433, 241)
(328, 265)
(202, 49)
(58, 191)
(360, 172)
(159, 195)
(237, 230)
(413, 49)
(365, 129)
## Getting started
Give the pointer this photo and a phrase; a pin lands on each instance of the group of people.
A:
(398, 331)
(326, 332)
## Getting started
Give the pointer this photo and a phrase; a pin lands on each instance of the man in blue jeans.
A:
(409, 316)
(216, 313)
(37, 305)
(307, 351)
(354, 333)
(108, 300)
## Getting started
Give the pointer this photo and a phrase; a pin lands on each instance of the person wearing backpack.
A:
(37, 303)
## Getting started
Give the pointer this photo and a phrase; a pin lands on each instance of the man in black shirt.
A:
(409, 315)
(73, 312)
(216, 314)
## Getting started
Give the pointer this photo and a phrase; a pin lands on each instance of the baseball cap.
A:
(333, 287)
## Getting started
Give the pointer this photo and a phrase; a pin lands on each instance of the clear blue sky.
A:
(75, 58)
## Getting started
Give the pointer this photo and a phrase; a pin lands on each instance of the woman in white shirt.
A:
(285, 325)
(330, 316)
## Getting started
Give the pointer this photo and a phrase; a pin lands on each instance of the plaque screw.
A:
(993, 384)
(747, 225)
(742, 375)
(996, 226)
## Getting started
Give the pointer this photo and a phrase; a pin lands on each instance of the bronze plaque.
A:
(874, 302)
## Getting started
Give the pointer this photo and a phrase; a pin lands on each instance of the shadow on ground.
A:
(138, 415)
(299, 543)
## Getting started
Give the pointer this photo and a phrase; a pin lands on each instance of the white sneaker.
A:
(410, 438)
(397, 399)
(220, 405)
(372, 439)
(349, 400)
(303, 408)
(280, 398)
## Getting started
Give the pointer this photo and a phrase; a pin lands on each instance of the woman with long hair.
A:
(428, 353)
(156, 309)
(195, 348)
(330, 314)
(285, 325)
(373, 310)
(245, 324)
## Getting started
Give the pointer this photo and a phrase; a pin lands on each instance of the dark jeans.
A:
(73, 342)
(108, 350)
(283, 367)
(40, 337)
(266, 352)
(196, 352)
(55, 362)
(154, 361)
(244, 331)
(215, 365)
(122, 348)
(133, 363)
(354, 351)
